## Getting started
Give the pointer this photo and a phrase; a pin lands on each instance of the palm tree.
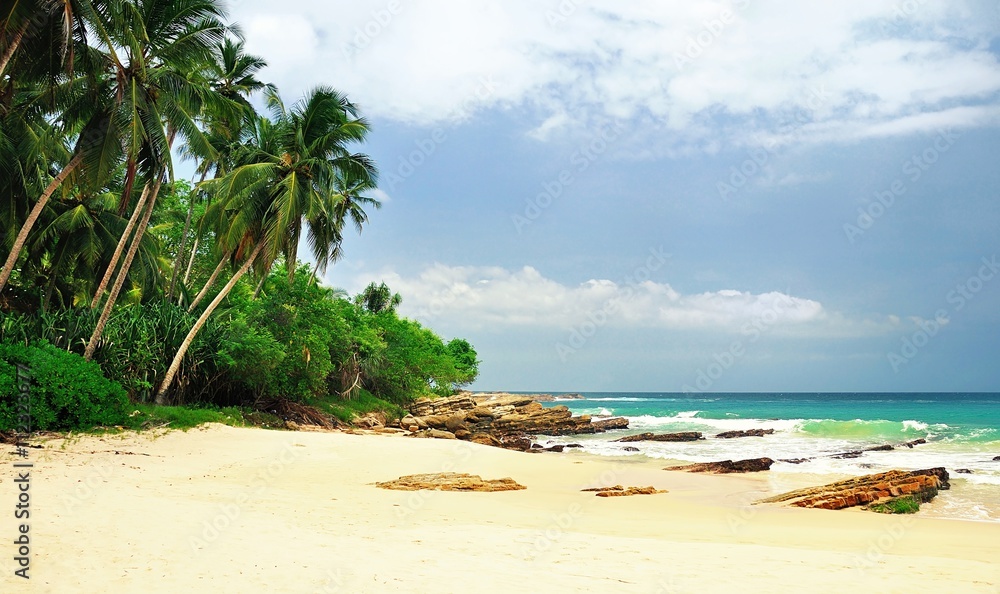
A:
(288, 174)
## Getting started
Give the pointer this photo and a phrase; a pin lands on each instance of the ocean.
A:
(962, 431)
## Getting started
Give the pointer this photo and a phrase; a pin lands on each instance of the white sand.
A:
(296, 512)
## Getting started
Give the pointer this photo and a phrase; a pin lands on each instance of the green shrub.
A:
(66, 392)
(900, 505)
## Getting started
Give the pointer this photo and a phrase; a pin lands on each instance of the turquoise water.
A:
(962, 431)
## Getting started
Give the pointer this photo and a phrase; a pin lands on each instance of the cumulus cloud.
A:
(688, 71)
(475, 297)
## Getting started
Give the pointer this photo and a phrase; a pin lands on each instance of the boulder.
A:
(859, 453)
(450, 481)
(372, 420)
(747, 433)
(795, 460)
(434, 434)
(728, 466)
(685, 436)
(921, 485)
(915, 442)
(997, 459)
(630, 449)
(963, 471)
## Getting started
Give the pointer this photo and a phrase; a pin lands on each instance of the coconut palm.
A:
(286, 176)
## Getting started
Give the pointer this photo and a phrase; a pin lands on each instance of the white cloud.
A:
(692, 71)
(468, 297)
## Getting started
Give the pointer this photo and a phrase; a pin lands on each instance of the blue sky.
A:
(668, 196)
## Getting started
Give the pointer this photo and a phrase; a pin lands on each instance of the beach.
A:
(224, 509)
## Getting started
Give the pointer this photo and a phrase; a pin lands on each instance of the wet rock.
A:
(963, 471)
(684, 436)
(573, 445)
(859, 453)
(881, 448)
(631, 449)
(747, 433)
(795, 460)
(915, 442)
(921, 485)
(728, 466)
(620, 491)
(450, 481)
(555, 448)
(997, 459)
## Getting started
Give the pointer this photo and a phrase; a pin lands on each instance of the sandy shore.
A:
(245, 510)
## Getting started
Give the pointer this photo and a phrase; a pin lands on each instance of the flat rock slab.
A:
(684, 436)
(620, 491)
(921, 485)
(747, 433)
(728, 466)
(450, 481)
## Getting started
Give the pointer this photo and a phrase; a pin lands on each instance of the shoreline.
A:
(220, 507)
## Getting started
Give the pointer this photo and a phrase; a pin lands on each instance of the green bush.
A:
(900, 505)
(66, 392)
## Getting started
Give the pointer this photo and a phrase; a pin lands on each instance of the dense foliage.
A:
(186, 292)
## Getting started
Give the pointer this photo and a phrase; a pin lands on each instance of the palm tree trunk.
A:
(260, 285)
(22, 235)
(88, 354)
(176, 363)
(121, 247)
(179, 261)
(9, 52)
(211, 281)
(194, 252)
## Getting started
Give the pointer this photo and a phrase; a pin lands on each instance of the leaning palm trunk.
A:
(88, 354)
(22, 235)
(210, 282)
(113, 264)
(176, 363)
(9, 52)
(194, 252)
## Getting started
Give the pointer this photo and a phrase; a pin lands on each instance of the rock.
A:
(620, 491)
(859, 453)
(434, 434)
(915, 442)
(881, 448)
(922, 485)
(372, 420)
(685, 436)
(796, 460)
(963, 471)
(555, 448)
(997, 459)
(728, 466)
(450, 481)
(631, 449)
(747, 433)
(291, 425)
(574, 445)
(509, 418)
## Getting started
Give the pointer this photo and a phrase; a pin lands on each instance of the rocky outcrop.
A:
(685, 436)
(997, 459)
(728, 466)
(450, 481)
(795, 460)
(963, 471)
(747, 433)
(882, 488)
(630, 449)
(535, 397)
(915, 442)
(620, 491)
(503, 420)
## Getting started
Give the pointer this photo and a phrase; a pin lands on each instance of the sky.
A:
(658, 196)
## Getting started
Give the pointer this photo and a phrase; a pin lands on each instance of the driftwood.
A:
(301, 414)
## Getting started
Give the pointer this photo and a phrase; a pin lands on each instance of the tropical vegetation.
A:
(147, 288)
